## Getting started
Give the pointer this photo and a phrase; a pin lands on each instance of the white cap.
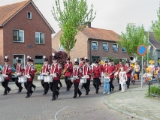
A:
(28, 56)
(85, 57)
(6, 57)
(75, 60)
(44, 57)
(53, 54)
(17, 58)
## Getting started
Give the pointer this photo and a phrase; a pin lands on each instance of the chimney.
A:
(89, 24)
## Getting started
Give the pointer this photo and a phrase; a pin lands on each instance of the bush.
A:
(155, 90)
(38, 67)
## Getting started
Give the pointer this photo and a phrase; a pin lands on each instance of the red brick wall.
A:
(21, 22)
(1, 44)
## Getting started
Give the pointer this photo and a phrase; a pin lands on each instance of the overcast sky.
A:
(111, 14)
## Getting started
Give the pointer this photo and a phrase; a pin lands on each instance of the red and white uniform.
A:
(105, 67)
(56, 69)
(77, 71)
(96, 71)
(118, 66)
(111, 70)
(29, 71)
(69, 68)
(7, 71)
(19, 69)
(87, 70)
(45, 68)
(130, 72)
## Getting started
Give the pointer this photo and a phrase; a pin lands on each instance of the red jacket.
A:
(7, 71)
(111, 70)
(118, 66)
(105, 67)
(101, 66)
(45, 68)
(69, 68)
(128, 73)
(56, 69)
(77, 72)
(29, 71)
(19, 69)
(86, 70)
(96, 71)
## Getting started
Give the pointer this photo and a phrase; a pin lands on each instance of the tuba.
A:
(133, 58)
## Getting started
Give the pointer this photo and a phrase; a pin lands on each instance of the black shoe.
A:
(9, 90)
(21, 89)
(53, 98)
(31, 93)
(34, 88)
(57, 94)
(80, 94)
(27, 96)
(97, 92)
(74, 96)
(5, 94)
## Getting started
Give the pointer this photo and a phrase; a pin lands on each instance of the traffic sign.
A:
(142, 50)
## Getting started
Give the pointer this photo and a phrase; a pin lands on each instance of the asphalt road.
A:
(39, 107)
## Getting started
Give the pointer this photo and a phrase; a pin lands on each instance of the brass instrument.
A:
(129, 69)
(65, 70)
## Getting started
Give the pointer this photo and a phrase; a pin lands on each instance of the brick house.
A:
(24, 31)
(94, 43)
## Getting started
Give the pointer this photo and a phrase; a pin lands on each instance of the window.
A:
(29, 15)
(39, 38)
(105, 46)
(94, 45)
(115, 47)
(39, 59)
(18, 35)
(104, 58)
(124, 49)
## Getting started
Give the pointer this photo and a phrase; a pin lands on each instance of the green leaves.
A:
(72, 17)
(134, 36)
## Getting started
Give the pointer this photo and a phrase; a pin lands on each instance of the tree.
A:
(156, 26)
(72, 17)
(134, 36)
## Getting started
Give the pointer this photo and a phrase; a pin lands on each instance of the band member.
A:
(87, 71)
(102, 71)
(77, 71)
(128, 70)
(45, 71)
(68, 69)
(82, 65)
(29, 73)
(55, 70)
(105, 66)
(34, 70)
(118, 67)
(96, 75)
(19, 72)
(6, 71)
(111, 69)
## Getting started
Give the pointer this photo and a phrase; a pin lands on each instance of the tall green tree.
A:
(156, 26)
(134, 36)
(72, 16)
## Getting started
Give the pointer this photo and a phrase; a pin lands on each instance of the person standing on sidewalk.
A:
(19, 72)
(6, 71)
(122, 79)
(77, 71)
(128, 70)
(106, 84)
(68, 69)
(96, 76)
(87, 71)
(45, 71)
(55, 71)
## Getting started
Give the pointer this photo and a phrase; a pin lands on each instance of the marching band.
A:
(82, 72)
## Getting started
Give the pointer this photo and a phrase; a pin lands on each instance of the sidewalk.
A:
(135, 103)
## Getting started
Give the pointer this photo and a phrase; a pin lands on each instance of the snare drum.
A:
(1, 78)
(83, 80)
(48, 78)
(22, 79)
(40, 77)
(73, 78)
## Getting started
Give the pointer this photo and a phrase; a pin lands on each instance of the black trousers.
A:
(118, 83)
(128, 81)
(5, 85)
(96, 82)
(76, 89)
(29, 88)
(55, 91)
(46, 87)
(111, 84)
(18, 84)
(68, 82)
(51, 86)
(87, 86)
(42, 83)
(25, 85)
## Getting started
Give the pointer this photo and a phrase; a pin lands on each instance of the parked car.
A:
(12, 78)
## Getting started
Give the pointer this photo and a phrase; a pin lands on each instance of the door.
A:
(94, 58)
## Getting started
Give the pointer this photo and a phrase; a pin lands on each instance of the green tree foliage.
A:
(38, 67)
(156, 26)
(72, 17)
(134, 36)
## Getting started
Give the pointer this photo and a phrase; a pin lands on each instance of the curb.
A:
(109, 104)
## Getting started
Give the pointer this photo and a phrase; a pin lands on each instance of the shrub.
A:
(38, 67)
(155, 90)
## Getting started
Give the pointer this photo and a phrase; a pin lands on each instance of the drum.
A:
(83, 80)
(16, 75)
(22, 79)
(1, 78)
(73, 78)
(48, 78)
(40, 77)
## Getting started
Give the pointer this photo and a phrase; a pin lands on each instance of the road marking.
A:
(59, 112)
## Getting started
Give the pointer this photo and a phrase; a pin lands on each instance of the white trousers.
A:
(123, 85)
